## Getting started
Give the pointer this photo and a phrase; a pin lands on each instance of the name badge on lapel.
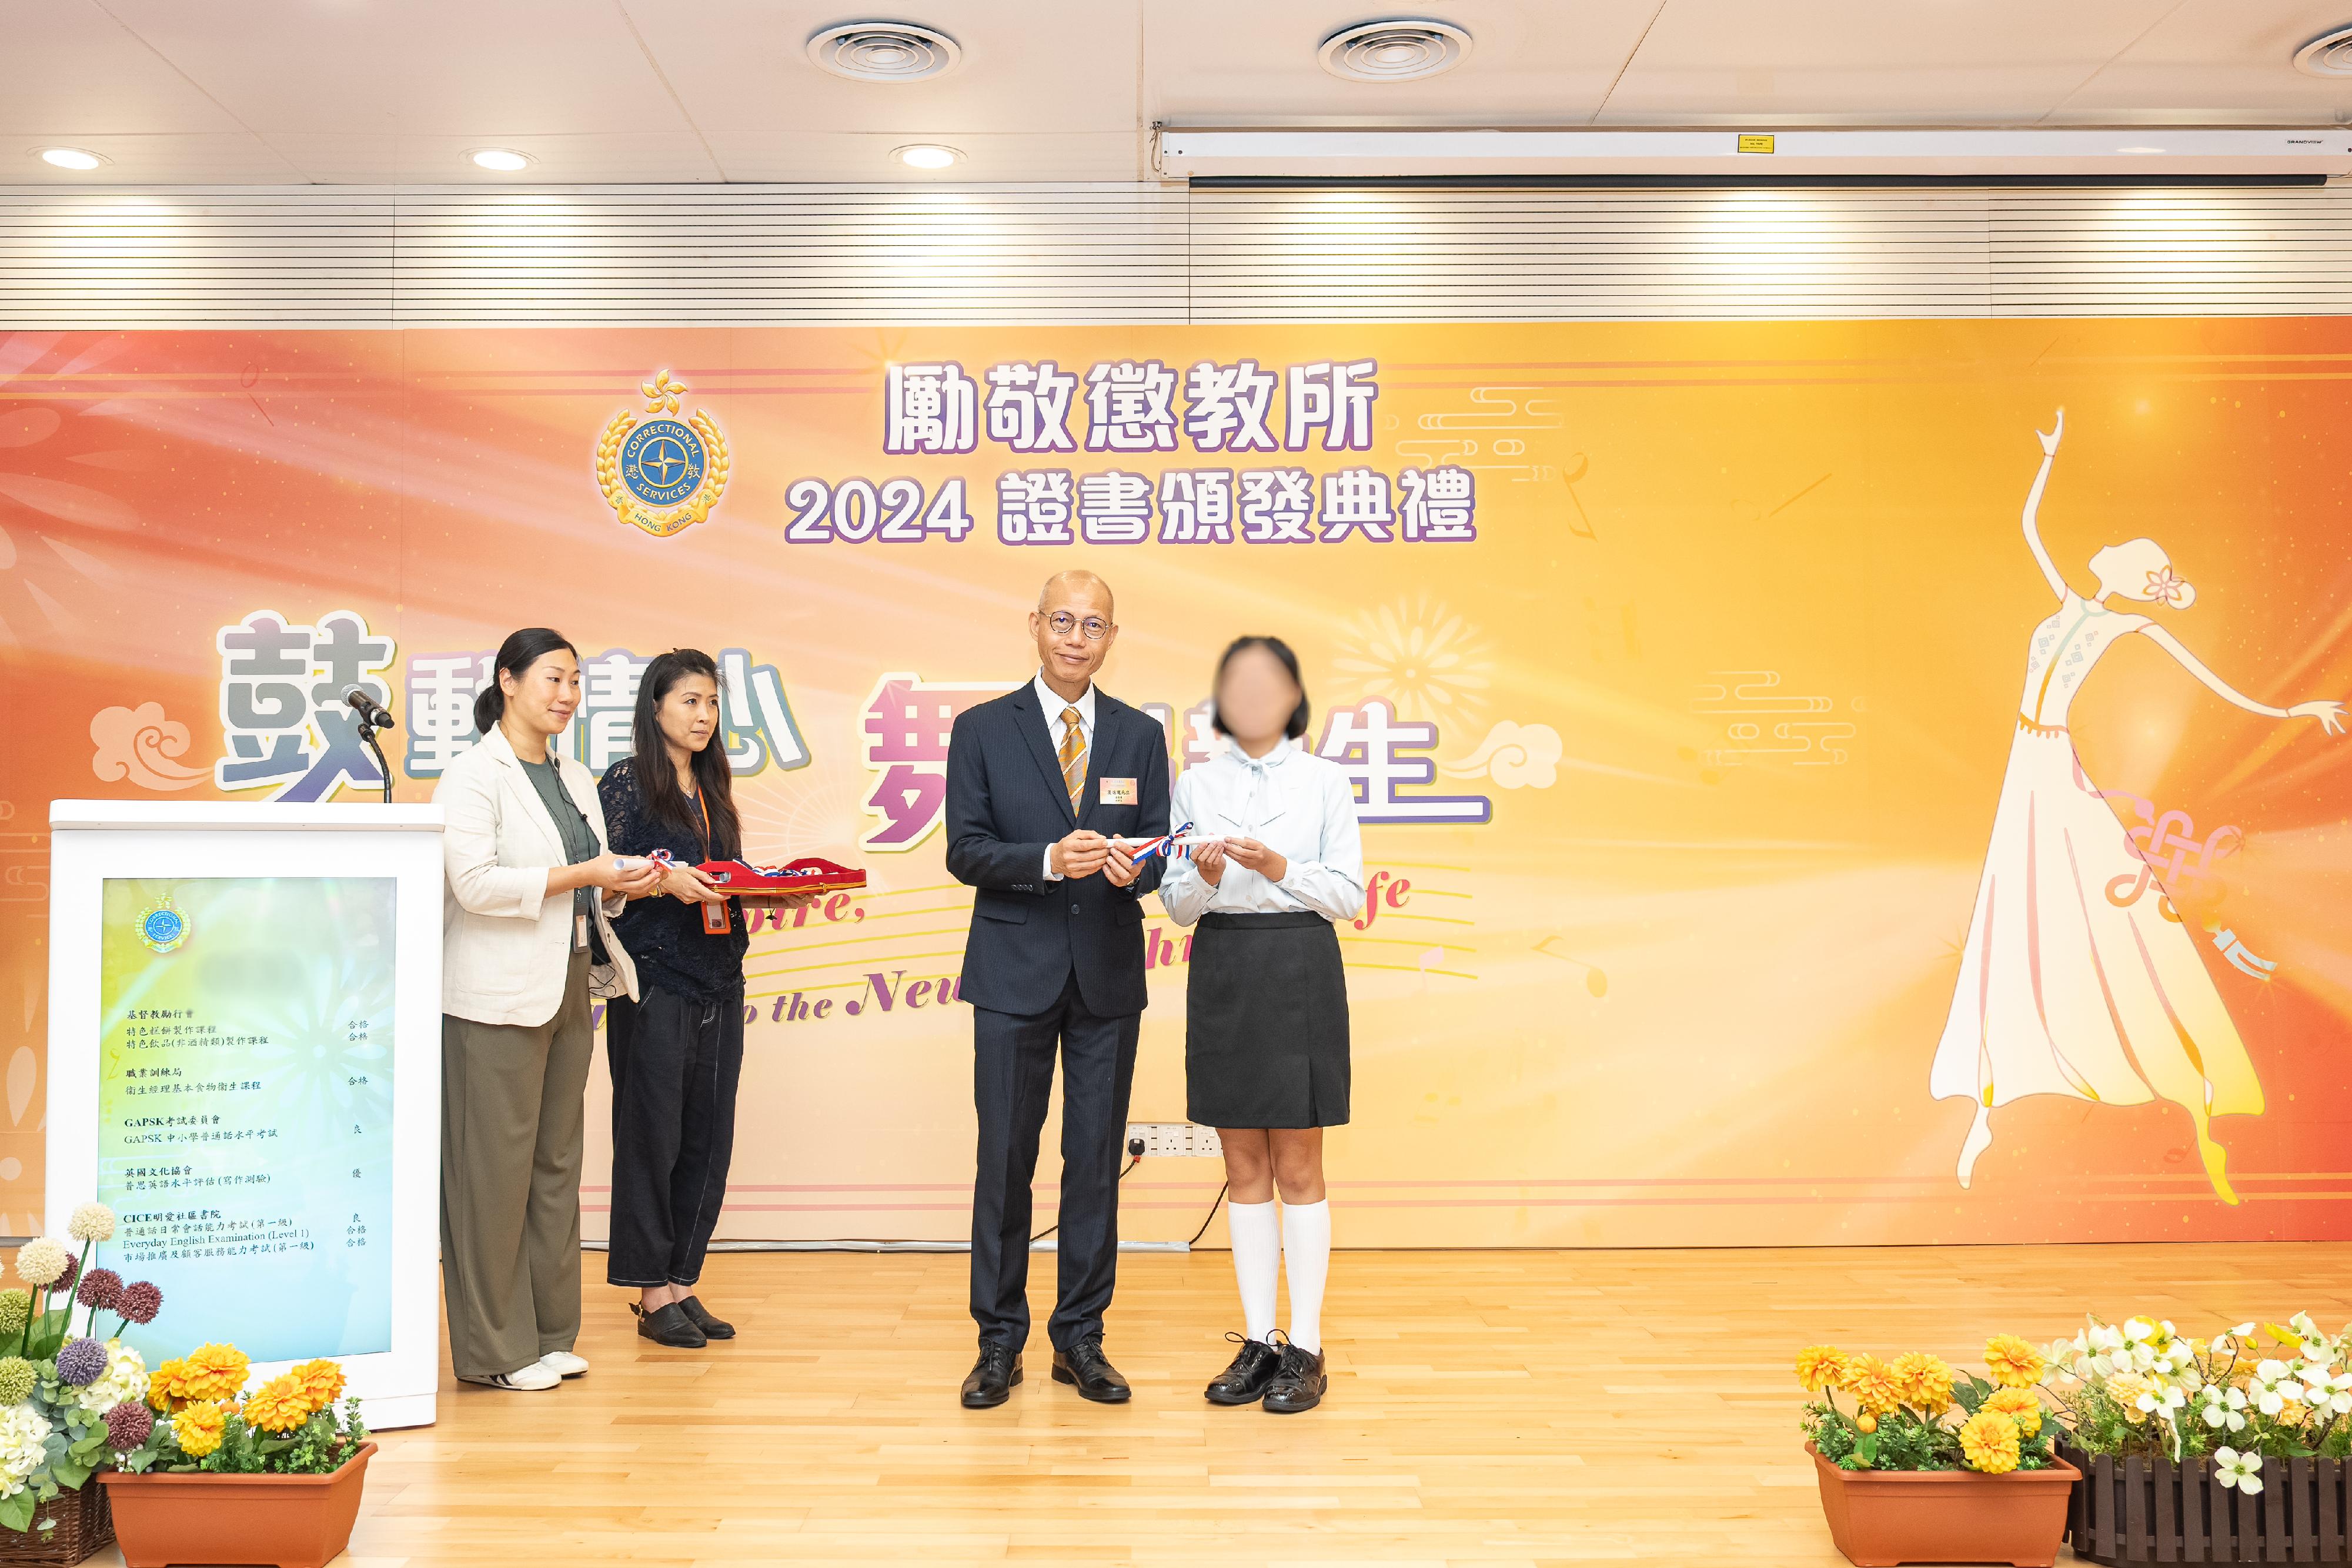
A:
(1118, 791)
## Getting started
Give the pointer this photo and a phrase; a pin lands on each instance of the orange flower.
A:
(323, 1382)
(1989, 1442)
(1925, 1381)
(164, 1385)
(2021, 1405)
(1820, 1366)
(278, 1405)
(215, 1372)
(2012, 1362)
(1872, 1384)
(198, 1429)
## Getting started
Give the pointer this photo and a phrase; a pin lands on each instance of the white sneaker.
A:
(563, 1363)
(536, 1375)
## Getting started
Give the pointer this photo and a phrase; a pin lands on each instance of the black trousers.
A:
(676, 1065)
(1013, 1080)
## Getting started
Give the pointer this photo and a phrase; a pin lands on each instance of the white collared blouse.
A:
(1295, 803)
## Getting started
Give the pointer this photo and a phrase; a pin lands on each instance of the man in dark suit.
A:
(1040, 781)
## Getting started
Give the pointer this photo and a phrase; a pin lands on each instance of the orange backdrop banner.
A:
(1769, 839)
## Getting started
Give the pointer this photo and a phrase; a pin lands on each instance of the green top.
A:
(579, 839)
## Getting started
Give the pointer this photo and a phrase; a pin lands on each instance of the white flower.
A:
(24, 1436)
(2322, 1392)
(40, 1262)
(2104, 1338)
(124, 1379)
(2273, 1386)
(2232, 1468)
(2143, 1357)
(91, 1222)
(2161, 1400)
(2136, 1329)
(2222, 1407)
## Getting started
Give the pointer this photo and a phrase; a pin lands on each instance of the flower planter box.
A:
(83, 1526)
(1880, 1517)
(292, 1522)
(2135, 1510)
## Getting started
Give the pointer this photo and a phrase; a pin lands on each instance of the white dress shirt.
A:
(1297, 804)
(1054, 702)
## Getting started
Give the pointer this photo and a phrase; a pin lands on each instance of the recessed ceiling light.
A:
(927, 155)
(884, 51)
(1399, 50)
(2329, 54)
(504, 160)
(70, 158)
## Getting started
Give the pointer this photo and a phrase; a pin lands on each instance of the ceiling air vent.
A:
(1400, 50)
(884, 51)
(2330, 55)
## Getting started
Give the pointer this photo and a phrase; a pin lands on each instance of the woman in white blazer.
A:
(527, 934)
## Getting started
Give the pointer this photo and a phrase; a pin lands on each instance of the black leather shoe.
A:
(1244, 1381)
(992, 1377)
(668, 1325)
(712, 1328)
(1085, 1367)
(1299, 1382)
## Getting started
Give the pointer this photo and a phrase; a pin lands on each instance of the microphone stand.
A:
(367, 733)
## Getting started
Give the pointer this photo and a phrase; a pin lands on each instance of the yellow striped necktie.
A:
(1074, 756)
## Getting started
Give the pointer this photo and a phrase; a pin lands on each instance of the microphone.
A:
(372, 712)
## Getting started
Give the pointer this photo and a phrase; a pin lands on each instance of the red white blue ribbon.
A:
(1174, 845)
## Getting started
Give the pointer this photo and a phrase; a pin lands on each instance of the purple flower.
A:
(140, 1302)
(128, 1425)
(65, 1281)
(81, 1363)
(100, 1288)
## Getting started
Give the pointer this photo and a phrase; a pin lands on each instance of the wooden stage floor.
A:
(1486, 1407)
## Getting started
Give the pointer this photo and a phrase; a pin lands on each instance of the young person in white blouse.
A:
(1265, 1033)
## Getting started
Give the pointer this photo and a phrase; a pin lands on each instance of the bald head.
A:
(1070, 587)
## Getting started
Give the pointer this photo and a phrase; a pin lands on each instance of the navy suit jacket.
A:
(1005, 804)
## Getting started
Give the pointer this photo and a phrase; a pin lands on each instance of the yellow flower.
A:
(1989, 1442)
(214, 1373)
(1925, 1381)
(1872, 1384)
(2125, 1389)
(1820, 1366)
(278, 1405)
(1865, 1422)
(2021, 1405)
(323, 1382)
(198, 1429)
(2012, 1362)
(164, 1385)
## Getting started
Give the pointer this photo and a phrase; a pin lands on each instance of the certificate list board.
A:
(245, 1108)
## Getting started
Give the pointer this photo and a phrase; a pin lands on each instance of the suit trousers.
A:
(512, 1124)
(675, 1066)
(1013, 1082)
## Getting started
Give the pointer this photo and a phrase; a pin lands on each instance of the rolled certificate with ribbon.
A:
(1176, 846)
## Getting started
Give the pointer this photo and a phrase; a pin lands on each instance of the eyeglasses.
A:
(1062, 623)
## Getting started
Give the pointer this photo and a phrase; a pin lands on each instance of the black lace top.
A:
(664, 936)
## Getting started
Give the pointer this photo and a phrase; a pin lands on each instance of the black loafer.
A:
(669, 1326)
(712, 1328)
(992, 1378)
(1244, 1383)
(1299, 1382)
(1085, 1367)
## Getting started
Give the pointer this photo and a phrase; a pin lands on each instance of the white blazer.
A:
(505, 944)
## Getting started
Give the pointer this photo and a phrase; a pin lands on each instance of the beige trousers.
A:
(511, 1127)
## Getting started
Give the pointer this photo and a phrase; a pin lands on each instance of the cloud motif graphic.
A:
(139, 744)
(1515, 756)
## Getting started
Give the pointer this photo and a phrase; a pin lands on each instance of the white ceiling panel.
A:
(1895, 62)
(992, 158)
(1248, 62)
(74, 73)
(2221, 62)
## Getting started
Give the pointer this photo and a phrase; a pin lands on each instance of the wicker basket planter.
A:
(82, 1525)
(1880, 1517)
(2135, 1510)
(291, 1521)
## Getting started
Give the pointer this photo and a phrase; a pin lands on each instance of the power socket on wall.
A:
(1175, 1141)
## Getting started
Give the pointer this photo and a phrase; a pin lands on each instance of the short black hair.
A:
(1280, 650)
(518, 654)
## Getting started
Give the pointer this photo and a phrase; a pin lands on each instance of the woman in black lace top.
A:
(677, 1054)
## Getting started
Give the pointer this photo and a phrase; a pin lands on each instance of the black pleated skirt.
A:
(1266, 1024)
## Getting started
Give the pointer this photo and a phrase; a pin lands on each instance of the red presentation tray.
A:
(810, 875)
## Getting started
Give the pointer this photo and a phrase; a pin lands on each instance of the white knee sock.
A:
(1257, 1251)
(1307, 1260)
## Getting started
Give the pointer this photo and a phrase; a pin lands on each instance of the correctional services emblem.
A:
(662, 473)
(161, 925)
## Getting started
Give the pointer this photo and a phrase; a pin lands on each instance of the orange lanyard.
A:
(715, 916)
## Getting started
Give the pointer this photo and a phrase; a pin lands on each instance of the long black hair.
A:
(1281, 651)
(657, 777)
(516, 654)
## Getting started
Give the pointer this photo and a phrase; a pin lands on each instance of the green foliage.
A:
(320, 1446)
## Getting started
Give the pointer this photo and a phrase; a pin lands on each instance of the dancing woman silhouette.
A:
(2063, 991)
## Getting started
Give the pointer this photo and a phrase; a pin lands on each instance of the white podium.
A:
(245, 1062)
